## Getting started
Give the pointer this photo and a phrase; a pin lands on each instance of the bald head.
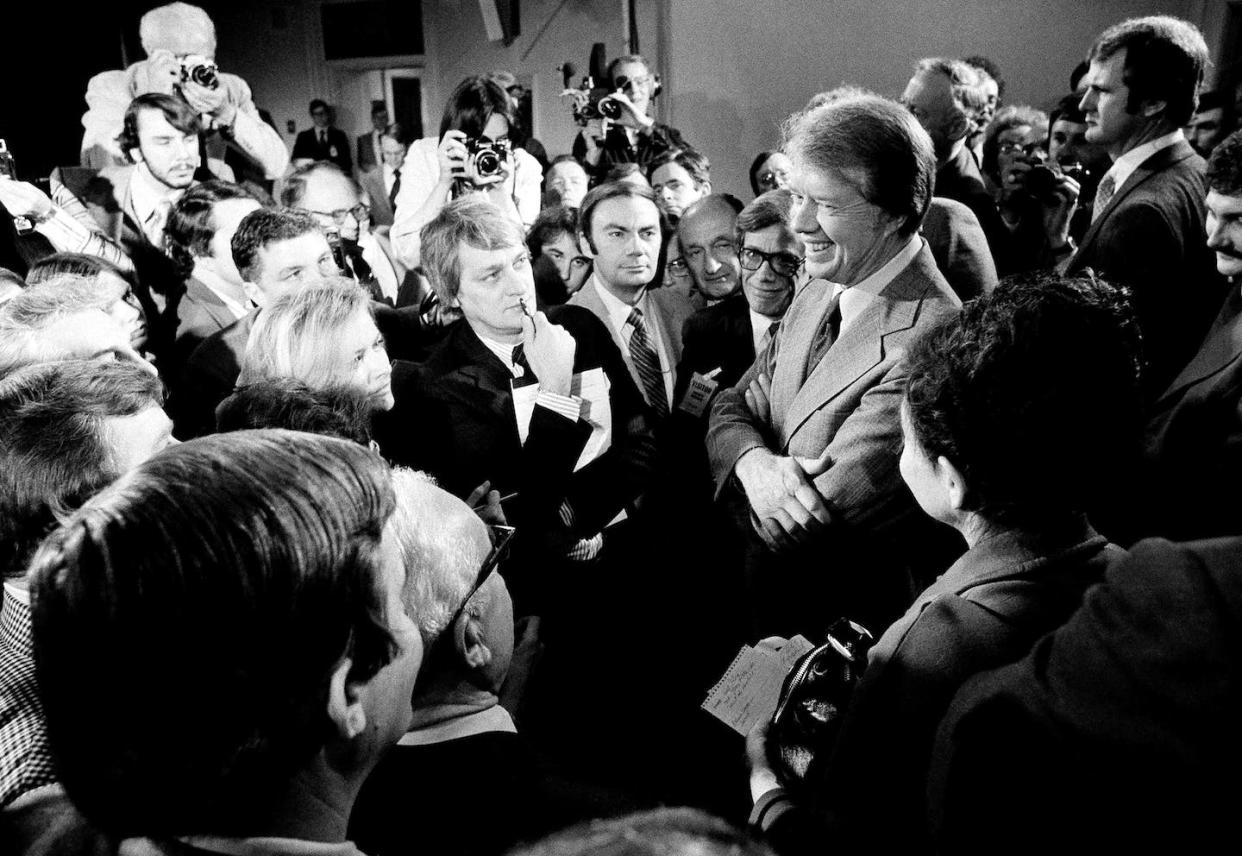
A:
(707, 234)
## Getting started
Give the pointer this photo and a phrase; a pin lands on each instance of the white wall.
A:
(737, 68)
(733, 69)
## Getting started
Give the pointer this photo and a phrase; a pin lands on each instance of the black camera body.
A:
(594, 102)
(485, 158)
(1040, 182)
(200, 70)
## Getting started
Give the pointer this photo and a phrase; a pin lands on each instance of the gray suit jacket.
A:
(372, 182)
(848, 404)
(672, 312)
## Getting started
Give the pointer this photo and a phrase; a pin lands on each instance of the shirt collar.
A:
(224, 290)
(146, 193)
(503, 352)
(618, 310)
(1125, 165)
(854, 298)
(494, 718)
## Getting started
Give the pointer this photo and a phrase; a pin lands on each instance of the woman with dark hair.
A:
(473, 154)
(1019, 416)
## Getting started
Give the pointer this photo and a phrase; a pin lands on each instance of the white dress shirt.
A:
(224, 290)
(759, 325)
(1125, 165)
(855, 298)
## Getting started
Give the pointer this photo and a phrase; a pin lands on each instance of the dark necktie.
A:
(768, 337)
(827, 333)
(396, 185)
(357, 266)
(519, 360)
(323, 138)
(647, 364)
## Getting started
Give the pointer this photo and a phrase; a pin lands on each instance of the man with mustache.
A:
(1194, 434)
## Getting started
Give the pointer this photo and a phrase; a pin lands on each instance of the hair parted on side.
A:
(467, 220)
(773, 208)
(611, 190)
(1164, 61)
(215, 587)
(285, 402)
(266, 226)
(54, 454)
(874, 135)
(192, 224)
(178, 113)
(1224, 168)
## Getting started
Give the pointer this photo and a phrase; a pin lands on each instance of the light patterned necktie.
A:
(647, 364)
(1103, 194)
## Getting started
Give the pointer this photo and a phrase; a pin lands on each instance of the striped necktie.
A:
(1103, 193)
(647, 364)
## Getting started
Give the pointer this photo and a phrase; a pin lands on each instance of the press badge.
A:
(700, 392)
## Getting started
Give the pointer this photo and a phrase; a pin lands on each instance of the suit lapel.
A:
(210, 301)
(1221, 347)
(476, 378)
(1157, 163)
(859, 348)
(588, 298)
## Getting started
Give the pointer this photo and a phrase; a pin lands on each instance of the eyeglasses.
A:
(783, 264)
(677, 267)
(1011, 147)
(623, 82)
(501, 536)
(360, 212)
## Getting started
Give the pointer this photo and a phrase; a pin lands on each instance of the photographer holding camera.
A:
(617, 128)
(180, 42)
(1036, 196)
(473, 155)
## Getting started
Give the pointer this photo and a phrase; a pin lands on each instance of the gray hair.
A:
(156, 25)
(440, 565)
(25, 315)
(966, 84)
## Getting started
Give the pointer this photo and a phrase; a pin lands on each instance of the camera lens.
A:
(204, 75)
(486, 163)
(610, 109)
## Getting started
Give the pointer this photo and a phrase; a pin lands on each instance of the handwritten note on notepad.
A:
(748, 691)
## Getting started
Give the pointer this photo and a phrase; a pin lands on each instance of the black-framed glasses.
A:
(501, 536)
(360, 212)
(783, 264)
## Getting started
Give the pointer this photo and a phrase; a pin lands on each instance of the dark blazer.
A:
(413, 801)
(1193, 445)
(960, 179)
(1152, 238)
(454, 419)
(200, 313)
(985, 611)
(718, 337)
(1118, 732)
(960, 247)
(307, 145)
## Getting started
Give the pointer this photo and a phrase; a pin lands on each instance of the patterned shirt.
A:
(25, 756)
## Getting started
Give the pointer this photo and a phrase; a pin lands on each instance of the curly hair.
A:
(1032, 392)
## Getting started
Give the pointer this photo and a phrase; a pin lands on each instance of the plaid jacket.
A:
(25, 757)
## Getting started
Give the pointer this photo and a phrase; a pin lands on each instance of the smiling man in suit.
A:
(620, 224)
(805, 445)
(456, 415)
(1147, 230)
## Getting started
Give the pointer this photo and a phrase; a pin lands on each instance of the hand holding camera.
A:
(1055, 190)
(477, 160)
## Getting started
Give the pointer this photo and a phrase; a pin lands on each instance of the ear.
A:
(135, 155)
(345, 701)
(951, 482)
(707, 187)
(1152, 109)
(472, 644)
